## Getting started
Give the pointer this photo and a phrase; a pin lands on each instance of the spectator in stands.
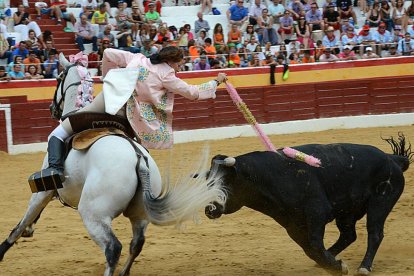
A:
(332, 18)
(35, 45)
(152, 33)
(269, 60)
(201, 24)
(386, 15)
(206, 4)
(106, 34)
(21, 50)
(5, 11)
(374, 15)
(307, 57)
(296, 8)
(59, 9)
(88, 8)
(255, 11)
(276, 10)
(187, 29)
(33, 73)
(382, 38)
(330, 40)
(41, 8)
(347, 53)
(350, 37)
(234, 37)
(397, 35)
(409, 15)
(314, 18)
(365, 38)
(163, 33)
(125, 41)
(328, 56)
(286, 25)
(3, 30)
(194, 50)
(392, 52)
(234, 56)
(319, 50)
(238, 15)
(255, 61)
(51, 65)
(345, 10)
(327, 4)
(369, 53)
(152, 17)
(100, 17)
(16, 60)
(247, 36)
(105, 44)
(122, 14)
(209, 49)
(218, 37)
(201, 38)
(137, 19)
(244, 60)
(4, 48)
(303, 34)
(47, 35)
(293, 59)
(182, 39)
(406, 45)
(157, 4)
(345, 23)
(411, 31)
(22, 24)
(398, 14)
(16, 73)
(4, 76)
(252, 45)
(85, 34)
(266, 25)
(147, 48)
(32, 60)
(45, 54)
(202, 64)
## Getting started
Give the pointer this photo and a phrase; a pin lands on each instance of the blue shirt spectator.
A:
(406, 45)
(237, 12)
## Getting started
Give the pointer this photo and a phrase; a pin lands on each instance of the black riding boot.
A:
(52, 177)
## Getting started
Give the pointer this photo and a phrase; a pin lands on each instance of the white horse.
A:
(101, 182)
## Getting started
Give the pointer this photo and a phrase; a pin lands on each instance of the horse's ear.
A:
(63, 61)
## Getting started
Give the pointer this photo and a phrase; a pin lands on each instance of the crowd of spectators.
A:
(260, 33)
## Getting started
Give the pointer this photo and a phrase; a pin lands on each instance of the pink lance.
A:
(292, 153)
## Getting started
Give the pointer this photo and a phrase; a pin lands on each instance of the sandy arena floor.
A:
(245, 243)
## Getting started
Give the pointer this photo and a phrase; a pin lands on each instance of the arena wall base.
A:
(312, 125)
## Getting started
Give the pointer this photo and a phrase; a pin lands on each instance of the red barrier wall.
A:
(31, 121)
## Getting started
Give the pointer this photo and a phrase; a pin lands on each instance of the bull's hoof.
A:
(362, 271)
(344, 268)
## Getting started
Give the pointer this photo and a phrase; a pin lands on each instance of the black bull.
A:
(355, 180)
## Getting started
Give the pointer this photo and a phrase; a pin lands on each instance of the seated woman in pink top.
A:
(142, 90)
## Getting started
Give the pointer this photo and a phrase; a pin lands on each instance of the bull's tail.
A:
(401, 149)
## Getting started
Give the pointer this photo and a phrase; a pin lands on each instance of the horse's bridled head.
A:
(63, 61)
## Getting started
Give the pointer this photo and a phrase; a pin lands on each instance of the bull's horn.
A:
(229, 161)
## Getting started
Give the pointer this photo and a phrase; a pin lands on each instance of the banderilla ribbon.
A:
(292, 153)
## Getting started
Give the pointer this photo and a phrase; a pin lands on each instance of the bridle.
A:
(55, 108)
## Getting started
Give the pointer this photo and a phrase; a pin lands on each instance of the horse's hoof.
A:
(28, 232)
(344, 268)
(362, 271)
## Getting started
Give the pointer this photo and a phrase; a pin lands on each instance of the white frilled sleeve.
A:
(202, 91)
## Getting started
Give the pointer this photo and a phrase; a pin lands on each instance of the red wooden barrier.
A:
(31, 121)
(3, 134)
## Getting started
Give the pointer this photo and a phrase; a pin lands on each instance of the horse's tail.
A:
(182, 201)
(401, 149)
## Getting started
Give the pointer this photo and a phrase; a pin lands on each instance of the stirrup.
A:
(45, 180)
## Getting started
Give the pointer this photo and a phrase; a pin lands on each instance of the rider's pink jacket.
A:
(148, 90)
